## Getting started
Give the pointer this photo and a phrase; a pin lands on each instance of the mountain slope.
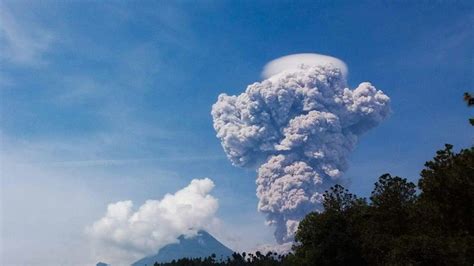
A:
(201, 245)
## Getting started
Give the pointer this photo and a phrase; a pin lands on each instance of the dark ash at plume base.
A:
(297, 128)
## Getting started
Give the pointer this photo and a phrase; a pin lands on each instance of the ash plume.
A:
(297, 129)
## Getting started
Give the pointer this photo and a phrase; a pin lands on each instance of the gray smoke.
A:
(297, 128)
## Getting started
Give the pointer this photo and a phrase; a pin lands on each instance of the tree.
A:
(446, 205)
(389, 217)
(447, 185)
(330, 237)
(470, 102)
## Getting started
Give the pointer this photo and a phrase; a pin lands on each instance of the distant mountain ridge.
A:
(199, 246)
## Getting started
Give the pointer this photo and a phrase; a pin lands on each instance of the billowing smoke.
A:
(297, 128)
(124, 234)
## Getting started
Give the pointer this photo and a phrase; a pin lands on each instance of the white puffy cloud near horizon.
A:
(125, 234)
(293, 61)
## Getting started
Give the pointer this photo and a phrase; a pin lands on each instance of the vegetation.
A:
(402, 223)
(470, 102)
(270, 259)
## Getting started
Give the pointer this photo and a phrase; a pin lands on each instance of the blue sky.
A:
(107, 101)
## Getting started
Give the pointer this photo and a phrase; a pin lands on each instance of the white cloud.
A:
(292, 62)
(126, 234)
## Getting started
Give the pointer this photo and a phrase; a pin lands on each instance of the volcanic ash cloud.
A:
(297, 128)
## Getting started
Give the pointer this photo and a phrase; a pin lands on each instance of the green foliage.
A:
(447, 183)
(237, 259)
(389, 217)
(330, 237)
(470, 102)
(397, 226)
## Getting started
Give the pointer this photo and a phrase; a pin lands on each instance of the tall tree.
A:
(329, 237)
(390, 217)
(447, 185)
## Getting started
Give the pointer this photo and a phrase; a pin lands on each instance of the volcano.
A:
(200, 246)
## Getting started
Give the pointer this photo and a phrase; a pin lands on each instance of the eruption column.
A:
(297, 129)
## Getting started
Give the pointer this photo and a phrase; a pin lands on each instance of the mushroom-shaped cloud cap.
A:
(292, 62)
